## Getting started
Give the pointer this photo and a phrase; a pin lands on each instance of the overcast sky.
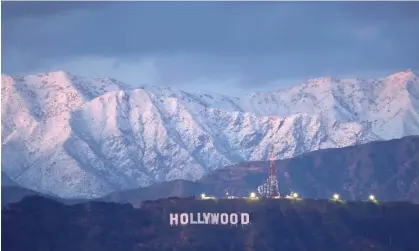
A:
(220, 46)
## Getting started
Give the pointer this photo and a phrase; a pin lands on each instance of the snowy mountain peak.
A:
(76, 136)
(322, 80)
(403, 77)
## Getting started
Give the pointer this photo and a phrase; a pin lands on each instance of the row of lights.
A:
(293, 195)
(205, 197)
(371, 197)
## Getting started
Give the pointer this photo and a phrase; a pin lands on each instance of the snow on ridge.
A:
(75, 136)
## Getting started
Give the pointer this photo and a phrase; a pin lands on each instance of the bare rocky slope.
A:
(78, 137)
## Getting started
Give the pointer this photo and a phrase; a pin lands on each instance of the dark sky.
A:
(210, 45)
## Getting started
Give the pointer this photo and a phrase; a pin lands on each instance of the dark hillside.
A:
(387, 169)
(37, 223)
(11, 194)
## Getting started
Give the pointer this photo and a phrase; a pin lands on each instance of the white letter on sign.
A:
(192, 221)
(234, 219)
(224, 219)
(174, 219)
(244, 219)
(207, 217)
(184, 219)
(214, 218)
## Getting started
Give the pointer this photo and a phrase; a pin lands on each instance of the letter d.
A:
(244, 218)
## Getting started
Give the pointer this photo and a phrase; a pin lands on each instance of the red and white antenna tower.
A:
(270, 187)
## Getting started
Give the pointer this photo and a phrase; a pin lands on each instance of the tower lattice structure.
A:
(270, 187)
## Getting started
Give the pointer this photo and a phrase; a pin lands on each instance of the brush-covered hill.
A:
(40, 224)
(387, 169)
(12, 194)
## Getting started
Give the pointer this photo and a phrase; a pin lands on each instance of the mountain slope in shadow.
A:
(387, 169)
(12, 194)
(6, 180)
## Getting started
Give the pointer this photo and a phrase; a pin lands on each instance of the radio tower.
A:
(270, 187)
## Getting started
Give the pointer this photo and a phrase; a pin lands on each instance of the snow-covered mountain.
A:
(78, 137)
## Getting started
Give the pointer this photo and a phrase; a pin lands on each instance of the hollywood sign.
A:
(209, 219)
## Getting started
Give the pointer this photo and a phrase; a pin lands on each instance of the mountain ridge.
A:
(75, 136)
(387, 169)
